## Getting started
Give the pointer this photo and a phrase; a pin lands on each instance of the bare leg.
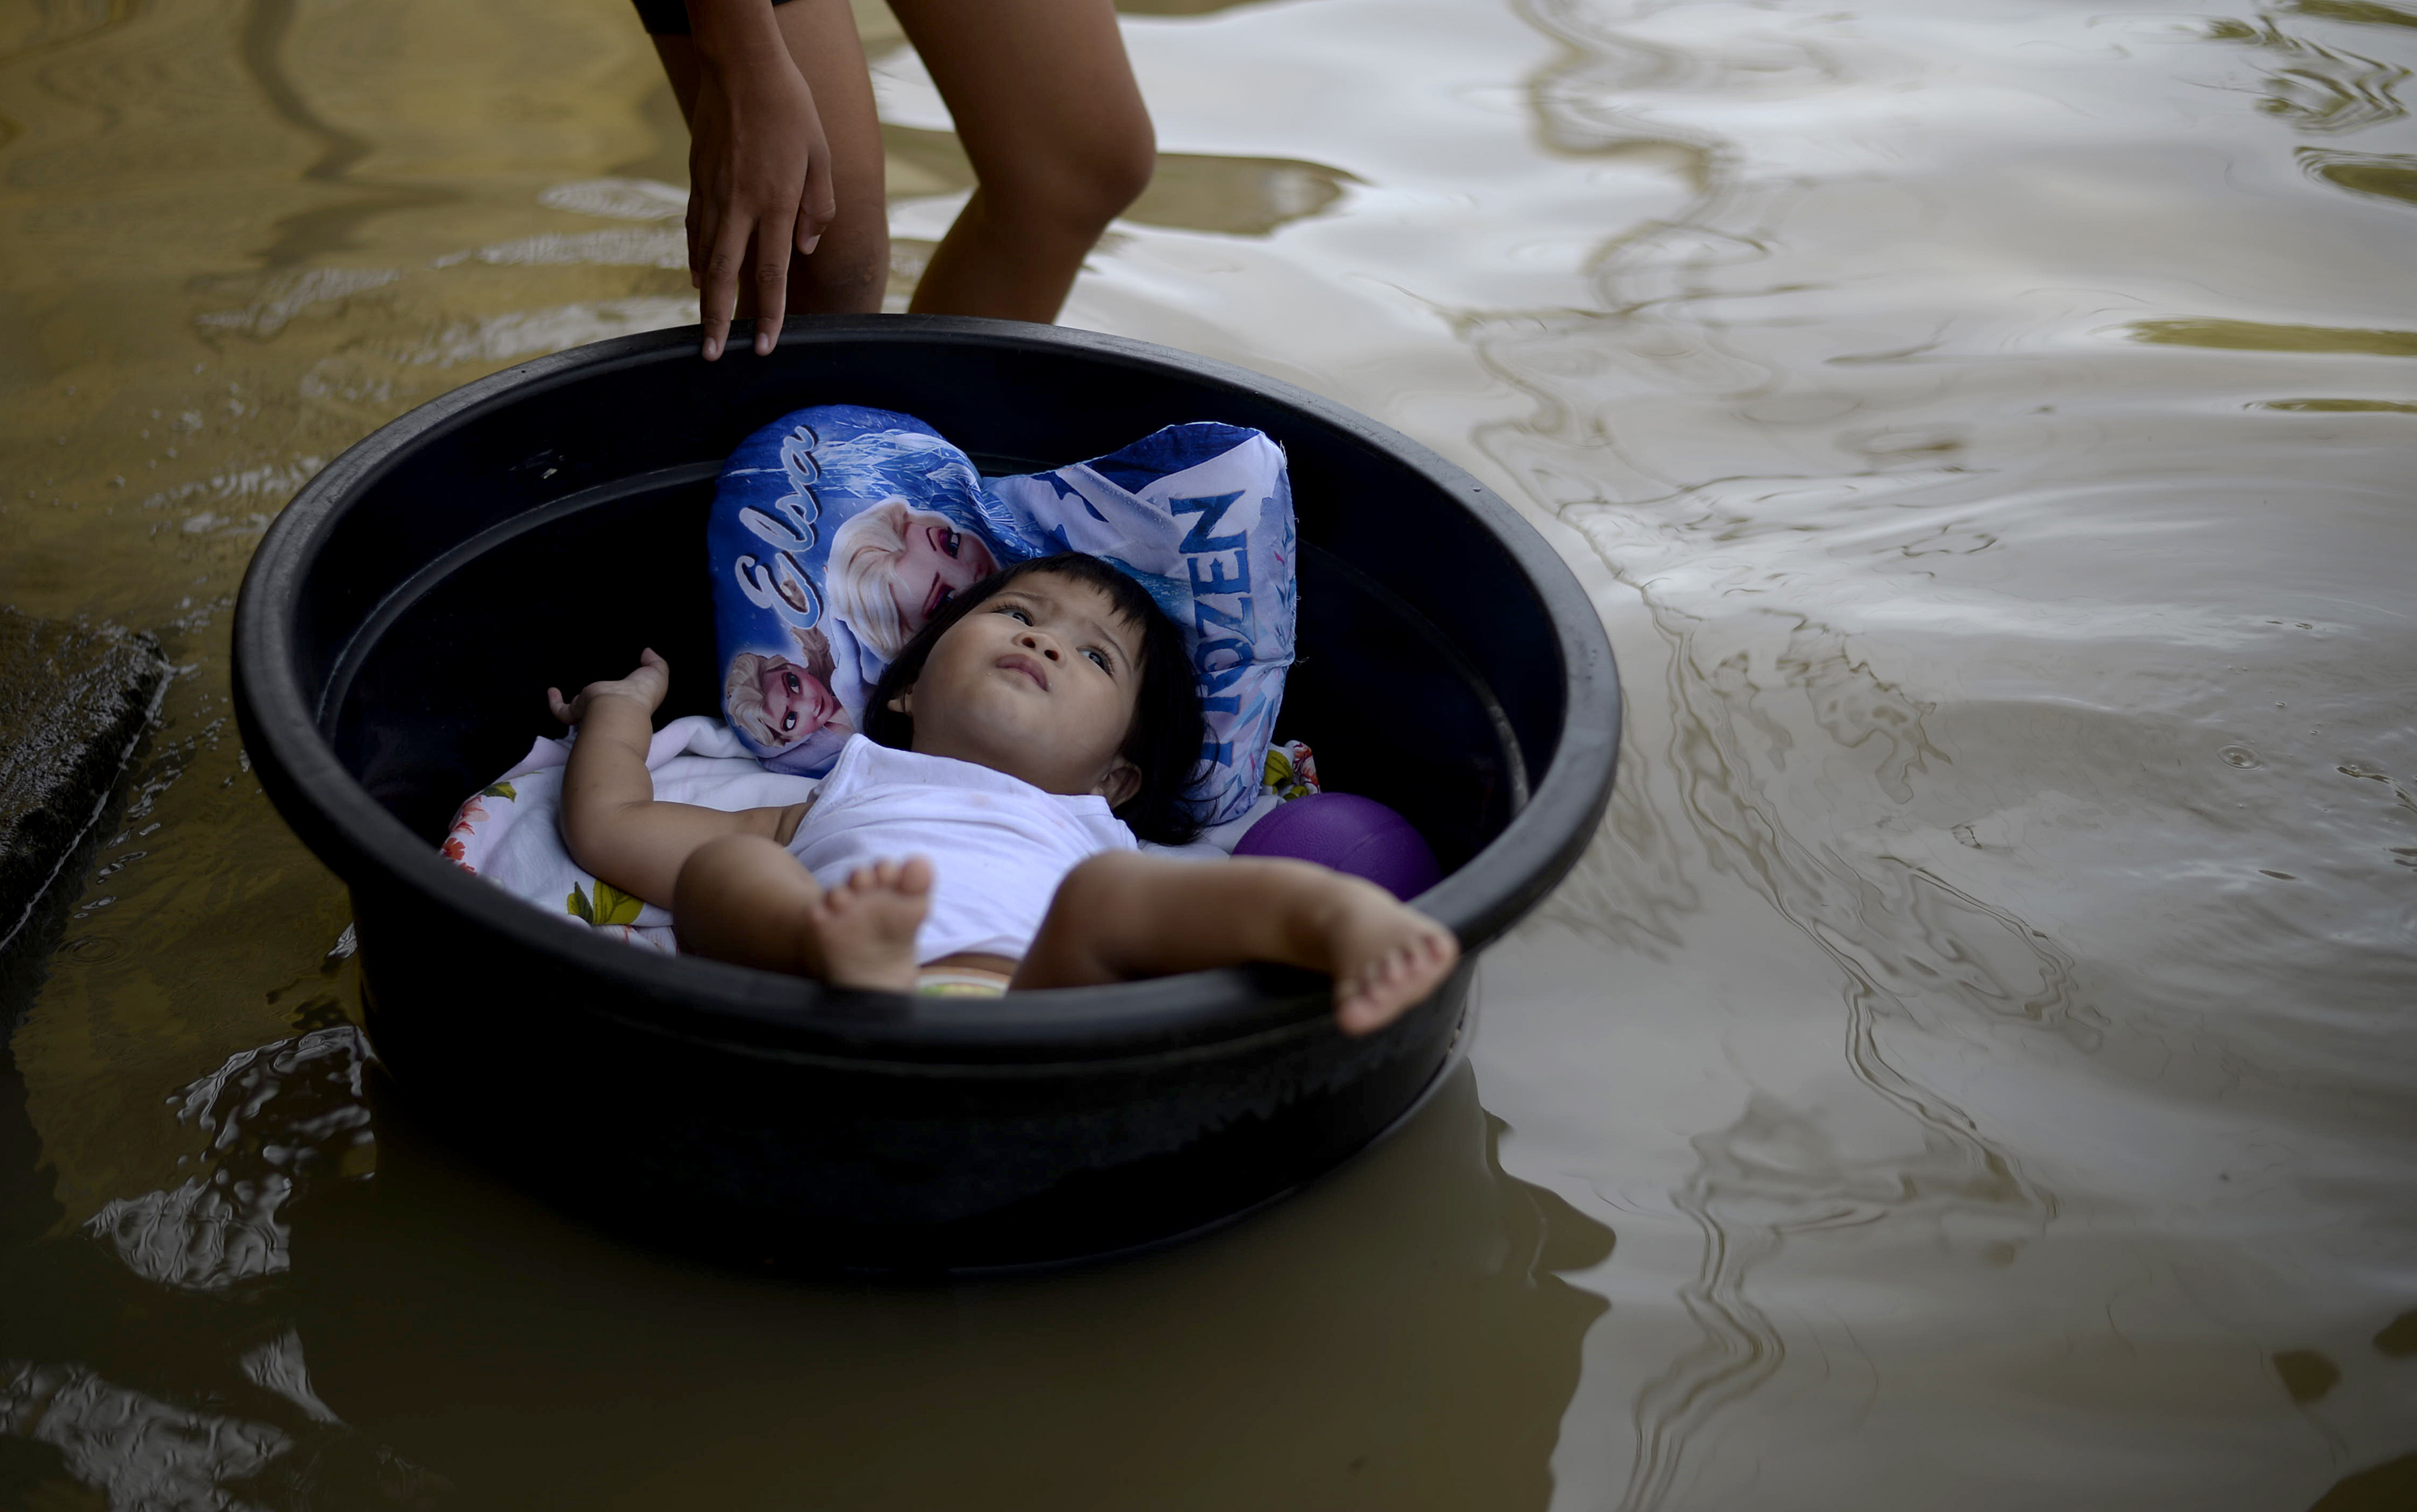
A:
(745, 899)
(850, 267)
(1124, 916)
(1045, 103)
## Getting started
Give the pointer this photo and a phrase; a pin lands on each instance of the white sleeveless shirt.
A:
(999, 846)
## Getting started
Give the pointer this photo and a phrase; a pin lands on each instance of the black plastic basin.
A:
(405, 612)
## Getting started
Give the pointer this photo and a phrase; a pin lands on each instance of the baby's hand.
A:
(648, 685)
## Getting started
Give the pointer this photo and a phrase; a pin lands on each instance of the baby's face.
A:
(1039, 683)
(796, 704)
(940, 562)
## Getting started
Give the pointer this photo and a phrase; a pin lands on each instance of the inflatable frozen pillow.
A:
(838, 532)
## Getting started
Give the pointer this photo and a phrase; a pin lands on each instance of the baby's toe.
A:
(1360, 1011)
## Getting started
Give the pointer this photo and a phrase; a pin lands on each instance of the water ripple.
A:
(278, 1115)
(2385, 176)
(1774, 1177)
(145, 1455)
(2316, 88)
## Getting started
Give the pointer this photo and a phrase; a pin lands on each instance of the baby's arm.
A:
(609, 819)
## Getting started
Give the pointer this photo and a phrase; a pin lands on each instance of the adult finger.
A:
(819, 204)
(771, 253)
(693, 222)
(723, 265)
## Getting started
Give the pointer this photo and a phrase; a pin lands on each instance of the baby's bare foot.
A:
(1387, 956)
(864, 928)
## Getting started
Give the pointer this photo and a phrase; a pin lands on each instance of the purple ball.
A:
(1348, 832)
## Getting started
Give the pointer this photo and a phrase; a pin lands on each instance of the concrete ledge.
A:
(73, 705)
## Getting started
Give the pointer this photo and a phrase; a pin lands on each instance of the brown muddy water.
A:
(1973, 1066)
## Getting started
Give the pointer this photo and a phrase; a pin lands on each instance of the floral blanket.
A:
(508, 832)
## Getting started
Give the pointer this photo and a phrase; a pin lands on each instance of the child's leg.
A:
(1045, 103)
(1124, 916)
(744, 900)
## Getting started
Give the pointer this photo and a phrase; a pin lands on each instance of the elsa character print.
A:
(784, 708)
(894, 567)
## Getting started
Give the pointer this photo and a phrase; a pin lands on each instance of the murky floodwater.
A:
(1973, 1066)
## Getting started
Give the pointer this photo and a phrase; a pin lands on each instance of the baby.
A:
(981, 834)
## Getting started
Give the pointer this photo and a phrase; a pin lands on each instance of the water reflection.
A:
(136, 1450)
(2249, 336)
(2386, 177)
(277, 1116)
(1774, 1178)
(2317, 88)
(312, 233)
(2383, 1488)
(2356, 12)
(2339, 406)
(1754, 433)
(169, 1376)
(429, 1295)
(1282, 1339)
(1188, 192)
(1179, 8)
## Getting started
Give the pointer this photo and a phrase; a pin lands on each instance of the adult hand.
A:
(759, 169)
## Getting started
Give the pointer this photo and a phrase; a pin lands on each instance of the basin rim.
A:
(758, 1013)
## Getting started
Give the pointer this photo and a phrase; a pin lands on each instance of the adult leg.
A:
(850, 265)
(1125, 917)
(745, 899)
(1045, 103)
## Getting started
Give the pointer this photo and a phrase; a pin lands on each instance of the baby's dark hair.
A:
(1163, 744)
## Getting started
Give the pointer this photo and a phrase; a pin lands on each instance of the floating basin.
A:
(404, 613)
